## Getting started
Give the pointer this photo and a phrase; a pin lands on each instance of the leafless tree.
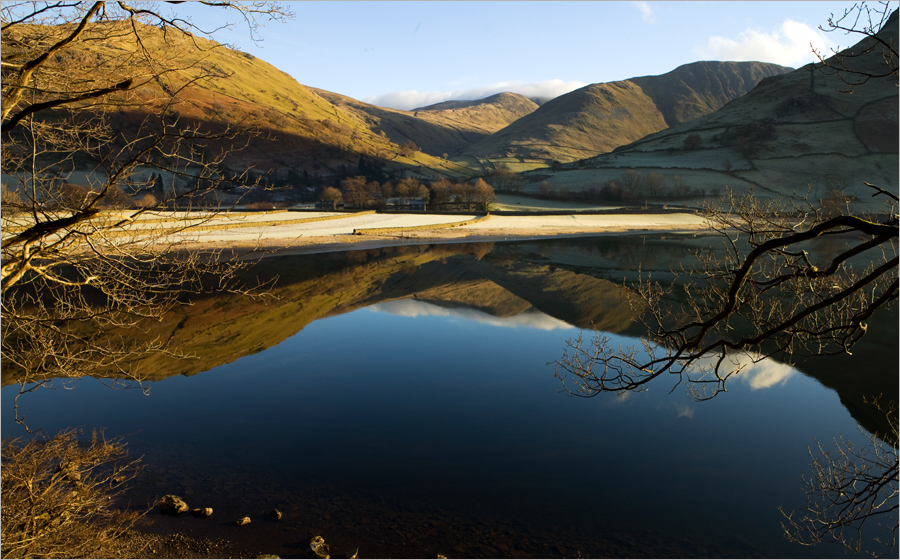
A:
(93, 95)
(332, 195)
(356, 191)
(771, 291)
(504, 179)
(848, 490)
(407, 188)
(60, 496)
(794, 278)
(483, 194)
(440, 190)
(861, 20)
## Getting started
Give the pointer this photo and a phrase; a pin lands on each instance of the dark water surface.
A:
(415, 414)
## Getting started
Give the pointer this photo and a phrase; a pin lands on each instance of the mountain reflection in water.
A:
(400, 400)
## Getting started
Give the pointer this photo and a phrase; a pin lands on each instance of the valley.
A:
(588, 316)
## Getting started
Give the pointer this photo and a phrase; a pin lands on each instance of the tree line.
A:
(442, 194)
(630, 187)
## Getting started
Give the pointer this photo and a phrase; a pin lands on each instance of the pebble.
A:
(172, 504)
(202, 512)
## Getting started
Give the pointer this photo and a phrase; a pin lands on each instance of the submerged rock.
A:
(317, 545)
(172, 505)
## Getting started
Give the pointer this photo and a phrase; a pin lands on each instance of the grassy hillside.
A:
(792, 131)
(585, 122)
(446, 128)
(697, 89)
(216, 87)
(601, 117)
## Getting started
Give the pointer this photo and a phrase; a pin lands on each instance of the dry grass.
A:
(59, 495)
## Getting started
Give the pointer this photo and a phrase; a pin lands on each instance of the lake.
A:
(402, 401)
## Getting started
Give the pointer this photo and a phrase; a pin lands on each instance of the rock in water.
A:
(276, 514)
(202, 512)
(243, 521)
(172, 505)
(317, 545)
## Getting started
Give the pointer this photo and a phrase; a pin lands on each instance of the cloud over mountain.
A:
(411, 99)
(789, 45)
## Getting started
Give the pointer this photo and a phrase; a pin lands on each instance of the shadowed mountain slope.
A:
(445, 128)
(216, 88)
(601, 117)
(792, 131)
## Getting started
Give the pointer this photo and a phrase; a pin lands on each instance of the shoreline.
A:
(286, 240)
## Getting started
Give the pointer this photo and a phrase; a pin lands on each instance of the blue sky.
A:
(410, 54)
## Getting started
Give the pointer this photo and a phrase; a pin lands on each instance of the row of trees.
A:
(630, 187)
(442, 194)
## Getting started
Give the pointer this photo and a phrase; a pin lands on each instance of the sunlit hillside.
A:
(216, 87)
(444, 129)
(694, 127)
(792, 132)
(601, 117)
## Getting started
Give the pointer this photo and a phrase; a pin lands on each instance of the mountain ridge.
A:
(603, 116)
(792, 132)
(321, 137)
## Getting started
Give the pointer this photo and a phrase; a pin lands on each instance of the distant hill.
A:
(304, 134)
(444, 128)
(601, 117)
(791, 131)
(312, 137)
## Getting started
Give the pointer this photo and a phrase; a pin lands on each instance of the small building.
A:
(417, 205)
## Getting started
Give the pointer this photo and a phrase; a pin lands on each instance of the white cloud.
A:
(750, 369)
(411, 99)
(789, 45)
(646, 11)
(684, 411)
(766, 373)
(414, 308)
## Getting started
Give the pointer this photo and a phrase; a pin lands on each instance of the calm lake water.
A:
(400, 400)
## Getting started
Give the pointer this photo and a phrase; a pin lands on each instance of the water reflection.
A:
(531, 318)
(764, 374)
(400, 400)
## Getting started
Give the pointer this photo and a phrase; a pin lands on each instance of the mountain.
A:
(302, 130)
(601, 117)
(483, 116)
(445, 128)
(792, 131)
(311, 136)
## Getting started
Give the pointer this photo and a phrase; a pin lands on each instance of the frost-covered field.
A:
(313, 231)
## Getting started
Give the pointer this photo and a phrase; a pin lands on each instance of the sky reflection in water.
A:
(459, 410)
